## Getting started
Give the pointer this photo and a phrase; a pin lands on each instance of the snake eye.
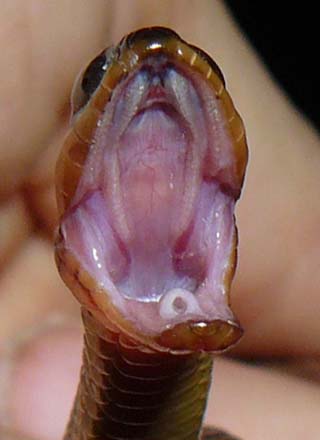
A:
(89, 80)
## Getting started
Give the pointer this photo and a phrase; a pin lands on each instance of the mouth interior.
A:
(152, 220)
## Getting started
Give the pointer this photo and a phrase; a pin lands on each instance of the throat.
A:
(135, 392)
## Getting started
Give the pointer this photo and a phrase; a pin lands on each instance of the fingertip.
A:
(43, 378)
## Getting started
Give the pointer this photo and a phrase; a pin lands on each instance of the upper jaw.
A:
(144, 90)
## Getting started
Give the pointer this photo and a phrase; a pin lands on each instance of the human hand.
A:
(275, 291)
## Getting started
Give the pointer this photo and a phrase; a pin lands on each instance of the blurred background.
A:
(285, 38)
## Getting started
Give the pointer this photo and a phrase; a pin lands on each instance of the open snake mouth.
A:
(152, 218)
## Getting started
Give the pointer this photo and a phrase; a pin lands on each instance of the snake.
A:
(146, 182)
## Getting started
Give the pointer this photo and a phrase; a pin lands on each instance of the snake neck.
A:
(128, 391)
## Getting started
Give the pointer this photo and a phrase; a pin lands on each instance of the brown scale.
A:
(133, 387)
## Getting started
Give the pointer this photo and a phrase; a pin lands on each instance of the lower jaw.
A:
(206, 324)
(210, 336)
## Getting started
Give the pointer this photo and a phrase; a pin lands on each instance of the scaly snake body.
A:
(137, 384)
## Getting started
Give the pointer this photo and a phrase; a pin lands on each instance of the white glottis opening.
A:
(177, 302)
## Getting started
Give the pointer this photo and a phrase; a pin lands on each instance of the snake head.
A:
(147, 182)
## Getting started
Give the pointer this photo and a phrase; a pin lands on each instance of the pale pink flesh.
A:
(152, 220)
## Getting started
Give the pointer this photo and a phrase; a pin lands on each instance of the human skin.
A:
(275, 293)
